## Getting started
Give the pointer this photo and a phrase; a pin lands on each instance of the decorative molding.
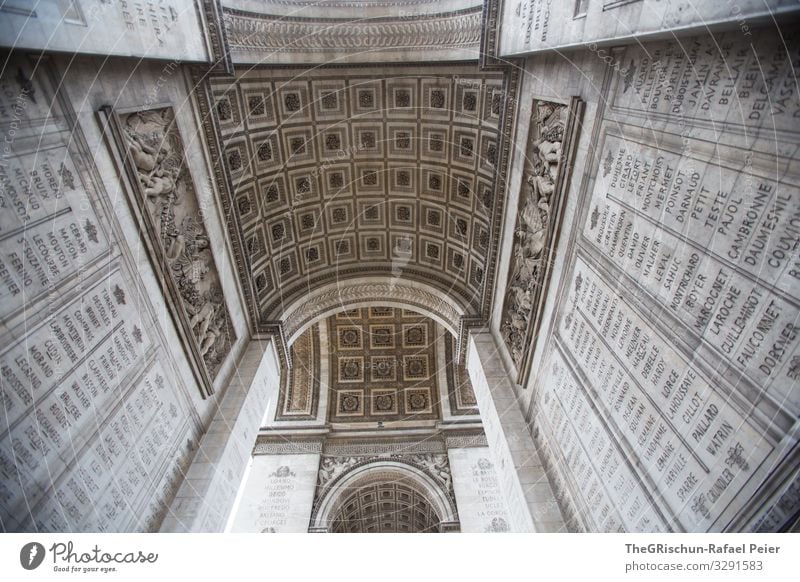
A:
(459, 387)
(344, 295)
(466, 441)
(546, 175)
(373, 448)
(299, 391)
(491, 23)
(217, 36)
(267, 445)
(251, 31)
(164, 201)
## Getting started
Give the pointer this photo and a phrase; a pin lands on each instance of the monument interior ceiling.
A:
(399, 266)
(343, 172)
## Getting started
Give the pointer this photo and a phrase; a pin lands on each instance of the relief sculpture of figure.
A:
(168, 196)
(533, 224)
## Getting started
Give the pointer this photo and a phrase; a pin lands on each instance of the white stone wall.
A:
(539, 25)
(278, 495)
(665, 397)
(102, 416)
(160, 29)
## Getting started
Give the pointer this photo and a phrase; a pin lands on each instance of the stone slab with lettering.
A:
(481, 506)
(278, 494)
(97, 426)
(164, 29)
(535, 25)
(674, 356)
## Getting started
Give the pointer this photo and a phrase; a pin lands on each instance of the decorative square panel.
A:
(403, 250)
(259, 108)
(246, 207)
(329, 100)
(339, 217)
(435, 142)
(415, 367)
(461, 190)
(436, 97)
(468, 93)
(402, 140)
(342, 248)
(370, 178)
(308, 223)
(237, 158)
(432, 218)
(372, 245)
(476, 274)
(418, 401)
(280, 233)
(367, 140)
(458, 227)
(350, 369)
(226, 109)
(372, 213)
(350, 403)
(381, 337)
(402, 179)
(402, 97)
(383, 402)
(303, 184)
(313, 255)
(434, 182)
(383, 368)
(488, 154)
(272, 195)
(285, 264)
(349, 337)
(415, 335)
(480, 239)
(465, 148)
(432, 252)
(403, 214)
(381, 312)
(294, 104)
(456, 262)
(263, 281)
(333, 143)
(366, 97)
(299, 146)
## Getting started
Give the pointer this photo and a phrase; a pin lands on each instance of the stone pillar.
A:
(206, 497)
(481, 505)
(522, 480)
(279, 493)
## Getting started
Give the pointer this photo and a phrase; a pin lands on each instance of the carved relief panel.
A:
(164, 199)
(545, 180)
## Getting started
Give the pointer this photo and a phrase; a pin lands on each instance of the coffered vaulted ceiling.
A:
(342, 173)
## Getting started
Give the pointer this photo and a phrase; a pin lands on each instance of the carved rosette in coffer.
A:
(546, 175)
(163, 198)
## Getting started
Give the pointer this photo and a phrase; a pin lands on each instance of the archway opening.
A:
(385, 507)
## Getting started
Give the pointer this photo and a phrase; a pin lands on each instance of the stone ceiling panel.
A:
(340, 174)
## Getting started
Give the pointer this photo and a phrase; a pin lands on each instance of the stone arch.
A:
(371, 291)
(382, 471)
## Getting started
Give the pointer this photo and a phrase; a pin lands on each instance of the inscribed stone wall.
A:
(667, 397)
(100, 416)
(161, 29)
(535, 25)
